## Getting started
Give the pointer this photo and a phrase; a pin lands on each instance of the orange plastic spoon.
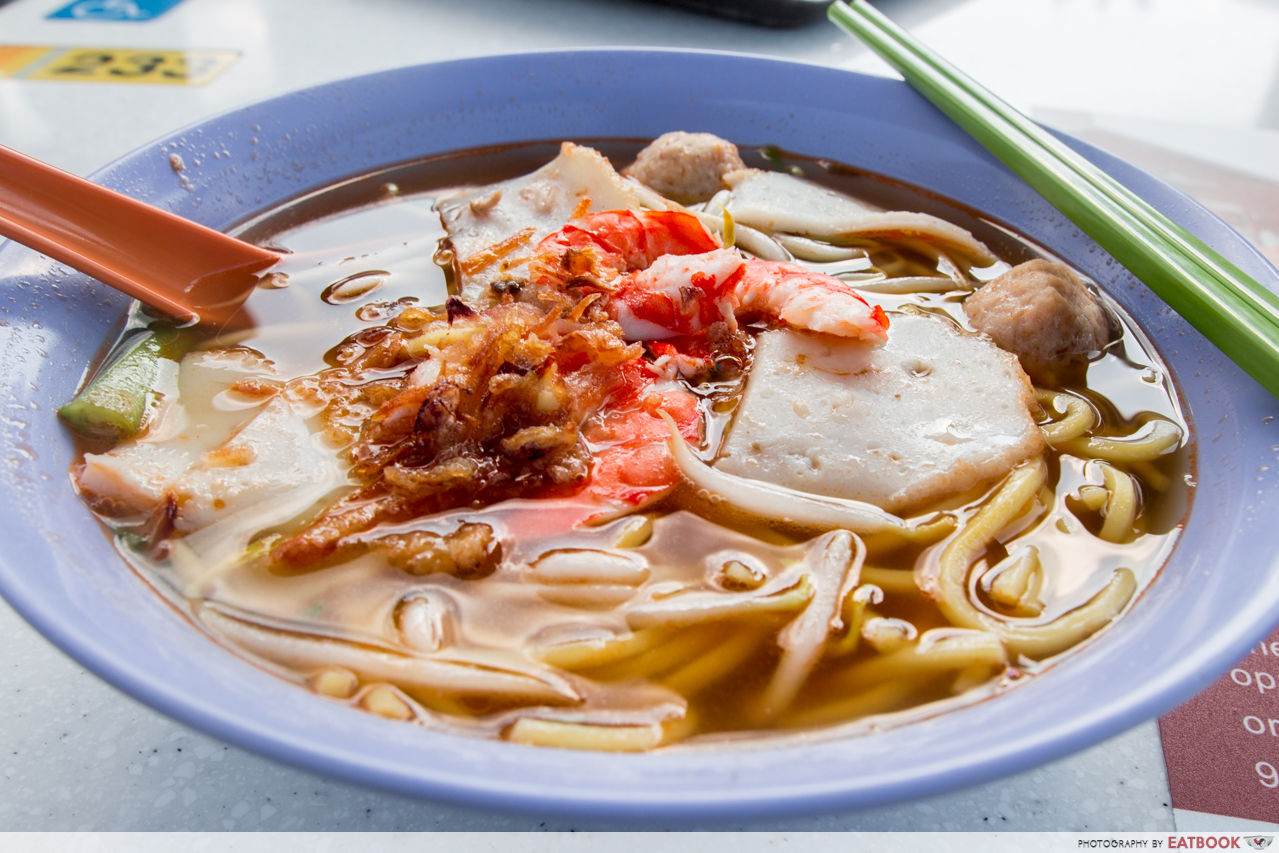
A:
(170, 263)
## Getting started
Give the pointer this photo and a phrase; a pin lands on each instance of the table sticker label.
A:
(15, 57)
(114, 10)
(114, 64)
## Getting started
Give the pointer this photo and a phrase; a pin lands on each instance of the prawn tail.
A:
(808, 300)
(881, 321)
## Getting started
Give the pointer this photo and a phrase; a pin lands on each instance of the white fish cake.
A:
(932, 412)
(137, 474)
(776, 201)
(273, 460)
(578, 181)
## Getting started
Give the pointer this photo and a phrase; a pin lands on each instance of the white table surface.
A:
(1198, 76)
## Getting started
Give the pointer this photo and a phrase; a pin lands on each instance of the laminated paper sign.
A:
(1222, 747)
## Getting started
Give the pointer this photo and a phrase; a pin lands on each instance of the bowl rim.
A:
(553, 781)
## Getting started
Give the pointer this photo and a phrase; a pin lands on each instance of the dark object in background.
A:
(767, 13)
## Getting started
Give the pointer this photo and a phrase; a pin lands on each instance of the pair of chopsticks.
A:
(1224, 303)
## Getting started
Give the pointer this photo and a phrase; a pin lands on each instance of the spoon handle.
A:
(163, 260)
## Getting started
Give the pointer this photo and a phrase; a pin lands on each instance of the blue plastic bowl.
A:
(1217, 595)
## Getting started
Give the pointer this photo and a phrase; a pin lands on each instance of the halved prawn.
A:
(632, 463)
(682, 295)
(598, 248)
(668, 277)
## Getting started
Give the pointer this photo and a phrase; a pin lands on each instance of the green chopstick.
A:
(1230, 308)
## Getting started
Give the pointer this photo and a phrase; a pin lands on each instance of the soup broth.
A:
(535, 615)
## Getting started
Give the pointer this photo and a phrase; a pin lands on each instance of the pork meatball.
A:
(687, 167)
(1041, 312)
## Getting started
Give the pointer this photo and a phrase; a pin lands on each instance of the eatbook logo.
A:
(1259, 842)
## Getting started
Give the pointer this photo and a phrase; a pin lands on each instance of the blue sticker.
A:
(115, 10)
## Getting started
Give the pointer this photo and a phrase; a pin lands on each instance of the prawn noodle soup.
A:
(730, 445)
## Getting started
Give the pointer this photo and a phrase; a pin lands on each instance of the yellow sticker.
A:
(15, 57)
(121, 65)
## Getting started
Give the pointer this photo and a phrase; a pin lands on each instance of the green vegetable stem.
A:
(114, 405)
